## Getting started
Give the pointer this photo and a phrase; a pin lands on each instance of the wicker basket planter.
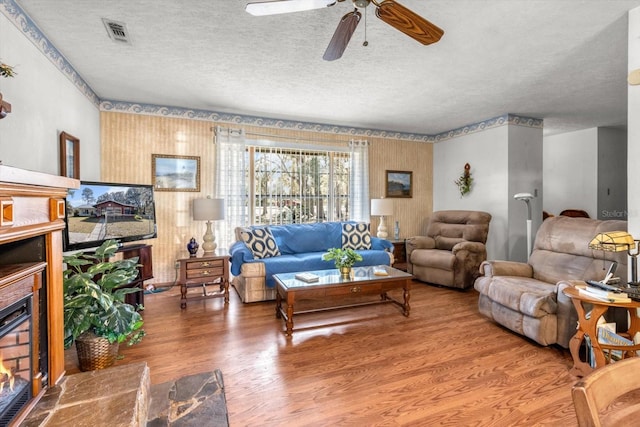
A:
(95, 352)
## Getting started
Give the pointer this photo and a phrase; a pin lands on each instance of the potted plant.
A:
(96, 316)
(343, 259)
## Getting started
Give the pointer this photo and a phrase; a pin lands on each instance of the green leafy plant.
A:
(342, 257)
(6, 70)
(94, 296)
(465, 180)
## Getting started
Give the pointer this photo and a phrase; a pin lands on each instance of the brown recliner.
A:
(453, 249)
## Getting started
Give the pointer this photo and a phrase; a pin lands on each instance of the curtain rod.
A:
(293, 138)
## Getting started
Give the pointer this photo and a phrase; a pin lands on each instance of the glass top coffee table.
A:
(331, 286)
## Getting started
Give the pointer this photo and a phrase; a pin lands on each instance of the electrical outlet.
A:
(177, 265)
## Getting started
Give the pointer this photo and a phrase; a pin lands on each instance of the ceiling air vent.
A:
(117, 31)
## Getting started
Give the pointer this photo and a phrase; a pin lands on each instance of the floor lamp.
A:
(525, 197)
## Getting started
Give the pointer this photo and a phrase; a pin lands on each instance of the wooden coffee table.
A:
(331, 286)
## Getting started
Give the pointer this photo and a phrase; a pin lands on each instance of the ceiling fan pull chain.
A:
(365, 43)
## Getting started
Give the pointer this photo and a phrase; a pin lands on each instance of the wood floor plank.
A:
(443, 365)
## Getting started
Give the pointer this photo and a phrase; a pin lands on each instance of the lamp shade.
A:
(381, 207)
(208, 209)
(612, 241)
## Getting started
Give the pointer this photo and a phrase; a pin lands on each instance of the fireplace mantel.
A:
(32, 207)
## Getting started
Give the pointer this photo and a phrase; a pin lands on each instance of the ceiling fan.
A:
(389, 11)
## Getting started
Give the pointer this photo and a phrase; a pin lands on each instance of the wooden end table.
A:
(331, 285)
(201, 272)
(587, 325)
(399, 254)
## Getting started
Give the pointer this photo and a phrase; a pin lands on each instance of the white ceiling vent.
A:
(117, 31)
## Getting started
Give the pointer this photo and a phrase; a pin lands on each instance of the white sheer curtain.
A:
(359, 182)
(230, 182)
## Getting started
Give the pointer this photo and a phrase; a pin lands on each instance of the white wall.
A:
(525, 176)
(44, 102)
(633, 128)
(570, 172)
(487, 153)
(612, 174)
(586, 170)
(504, 160)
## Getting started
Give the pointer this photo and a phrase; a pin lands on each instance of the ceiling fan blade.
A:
(341, 37)
(262, 8)
(408, 22)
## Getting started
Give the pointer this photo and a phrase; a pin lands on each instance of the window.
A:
(292, 185)
(267, 182)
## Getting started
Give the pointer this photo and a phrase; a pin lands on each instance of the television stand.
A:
(123, 247)
(145, 270)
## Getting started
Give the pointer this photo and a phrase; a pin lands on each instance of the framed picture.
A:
(175, 173)
(399, 184)
(69, 156)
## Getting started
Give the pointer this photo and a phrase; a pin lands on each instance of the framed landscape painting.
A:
(175, 173)
(399, 184)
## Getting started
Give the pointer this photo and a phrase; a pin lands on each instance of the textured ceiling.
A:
(564, 61)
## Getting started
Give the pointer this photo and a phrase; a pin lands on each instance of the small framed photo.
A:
(69, 156)
(175, 173)
(399, 184)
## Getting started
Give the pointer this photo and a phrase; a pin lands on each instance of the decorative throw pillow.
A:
(356, 236)
(261, 242)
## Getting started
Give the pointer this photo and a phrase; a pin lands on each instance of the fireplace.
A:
(22, 375)
(15, 359)
(31, 316)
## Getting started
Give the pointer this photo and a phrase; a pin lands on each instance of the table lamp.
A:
(208, 210)
(618, 241)
(381, 208)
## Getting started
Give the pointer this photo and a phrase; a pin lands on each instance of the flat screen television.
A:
(98, 211)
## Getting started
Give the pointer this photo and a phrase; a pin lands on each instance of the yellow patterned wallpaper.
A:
(129, 140)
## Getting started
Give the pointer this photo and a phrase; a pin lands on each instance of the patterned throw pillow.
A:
(356, 236)
(261, 242)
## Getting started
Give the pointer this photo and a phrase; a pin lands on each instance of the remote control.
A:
(604, 286)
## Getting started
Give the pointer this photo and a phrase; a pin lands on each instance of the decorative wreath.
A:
(465, 180)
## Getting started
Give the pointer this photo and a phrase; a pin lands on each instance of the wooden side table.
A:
(587, 325)
(399, 254)
(200, 272)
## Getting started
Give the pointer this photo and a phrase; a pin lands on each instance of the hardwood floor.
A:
(443, 365)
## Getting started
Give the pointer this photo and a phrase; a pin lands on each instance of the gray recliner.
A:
(453, 249)
(527, 297)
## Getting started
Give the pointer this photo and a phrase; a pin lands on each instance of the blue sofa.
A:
(299, 247)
